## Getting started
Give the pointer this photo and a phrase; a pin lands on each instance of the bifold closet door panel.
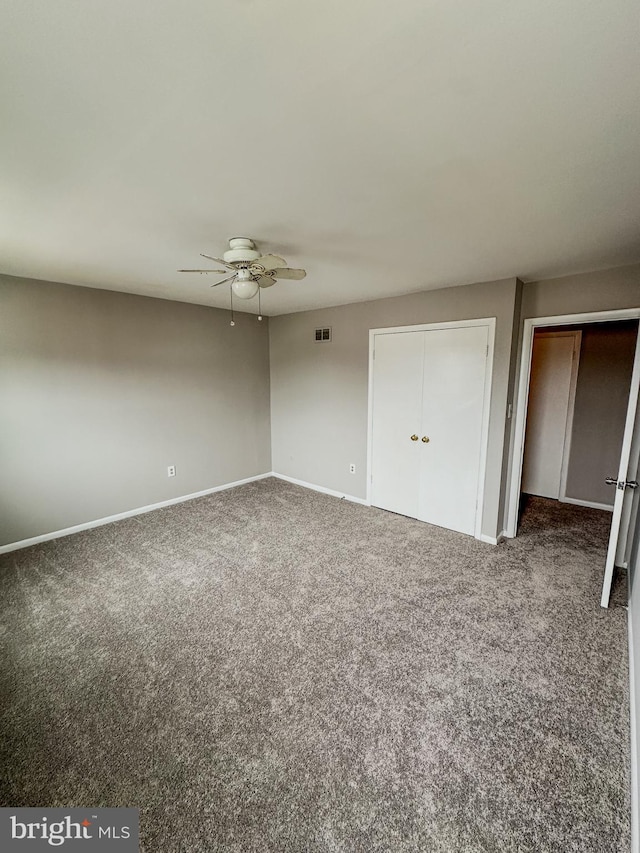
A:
(397, 406)
(453, 403)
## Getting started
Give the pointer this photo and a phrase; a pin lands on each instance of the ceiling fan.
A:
(250, 270)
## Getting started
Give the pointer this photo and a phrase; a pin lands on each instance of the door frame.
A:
(524, 377)
(490, 324)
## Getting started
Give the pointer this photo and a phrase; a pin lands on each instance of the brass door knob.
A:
(426, 439)
(414, 438)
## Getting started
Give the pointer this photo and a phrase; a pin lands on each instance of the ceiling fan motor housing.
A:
(242, 249)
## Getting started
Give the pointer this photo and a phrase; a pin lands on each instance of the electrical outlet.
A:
(171, 471)
(352, 468)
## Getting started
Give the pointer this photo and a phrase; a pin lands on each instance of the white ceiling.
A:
(385, 147)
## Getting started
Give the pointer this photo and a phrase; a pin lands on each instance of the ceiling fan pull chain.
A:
(260, 305)
(233, 322)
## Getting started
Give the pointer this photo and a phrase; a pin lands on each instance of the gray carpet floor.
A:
(272, 669)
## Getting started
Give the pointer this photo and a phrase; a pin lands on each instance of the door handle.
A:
(414, 437)
(630, 484)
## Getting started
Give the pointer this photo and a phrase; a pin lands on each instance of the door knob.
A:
(630, 484)
(414, 437)
(426, 439)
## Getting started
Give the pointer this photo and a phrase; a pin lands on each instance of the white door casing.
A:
(549, 414)
(448, 471)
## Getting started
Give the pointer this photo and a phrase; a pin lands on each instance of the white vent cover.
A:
(323, 335)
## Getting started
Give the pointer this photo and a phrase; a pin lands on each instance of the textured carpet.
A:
(272, 669)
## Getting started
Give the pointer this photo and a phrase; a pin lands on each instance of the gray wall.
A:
(604, 290)
(101, 391)
(319, 391)
(602, 392)
(511, 388)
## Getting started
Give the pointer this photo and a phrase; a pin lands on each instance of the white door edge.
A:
(629, 429)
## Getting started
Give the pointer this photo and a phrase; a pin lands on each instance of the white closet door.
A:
(397, 406)
(547, 413)
(453, 405)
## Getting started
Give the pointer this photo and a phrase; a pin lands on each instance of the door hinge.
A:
(487, 355)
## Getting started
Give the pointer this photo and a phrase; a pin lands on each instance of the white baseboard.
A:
(492, 540)
(98, 522)
(590, 504)
(635, 770)
(322, 489)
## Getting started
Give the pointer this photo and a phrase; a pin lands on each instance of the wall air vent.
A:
(323, 335)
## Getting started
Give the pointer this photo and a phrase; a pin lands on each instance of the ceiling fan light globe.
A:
(245, 288)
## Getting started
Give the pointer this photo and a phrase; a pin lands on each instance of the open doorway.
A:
(573, 433)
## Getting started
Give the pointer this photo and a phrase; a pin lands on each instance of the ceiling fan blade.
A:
(224, 281)
(289, 273)
(218, 261)
(266, 280)
(220, 272)
(270, 262)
